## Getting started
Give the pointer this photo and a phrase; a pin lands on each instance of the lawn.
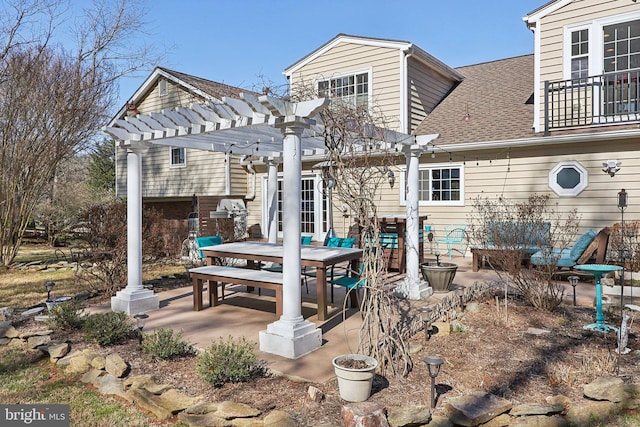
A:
(24, 287)
(29, 381)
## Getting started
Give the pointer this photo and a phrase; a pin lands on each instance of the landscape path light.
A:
(140, 319)
(574, 281)
(49, 285)
(433, 365)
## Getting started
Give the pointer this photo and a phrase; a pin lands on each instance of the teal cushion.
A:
(207, 241)
(581, 244)
(348, 242)
(306, 240)
(334, 242)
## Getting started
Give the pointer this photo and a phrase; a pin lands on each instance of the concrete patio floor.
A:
(244, 314)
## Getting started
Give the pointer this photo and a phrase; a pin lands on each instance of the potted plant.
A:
(355, 374)
(439, 274)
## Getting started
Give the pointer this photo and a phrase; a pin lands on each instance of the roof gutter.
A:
(542, 141)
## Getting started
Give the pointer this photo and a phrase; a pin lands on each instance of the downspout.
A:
(227, 174)
(249, 167)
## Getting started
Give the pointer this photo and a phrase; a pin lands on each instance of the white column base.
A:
(290, 340)
(414, 289)
(134, 302)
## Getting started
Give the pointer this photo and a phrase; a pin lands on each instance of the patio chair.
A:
(455, 238)
(206, 241)
(352, 282)
(332, 242)
(277, 268)
(569, 257)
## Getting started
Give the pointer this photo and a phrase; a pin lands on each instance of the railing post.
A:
(546, 108)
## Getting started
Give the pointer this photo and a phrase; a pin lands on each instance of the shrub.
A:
(228, 361)
(163, 344)
(68, 315)
(109, 328)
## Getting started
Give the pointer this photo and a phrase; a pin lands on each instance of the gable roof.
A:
(496, 95)
(544, 10)
(404, 46)
(205, 89)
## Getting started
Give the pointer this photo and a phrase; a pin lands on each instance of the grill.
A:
(235, 209)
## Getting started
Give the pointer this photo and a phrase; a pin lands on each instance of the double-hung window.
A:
(579, 54)
(178, 157)
(604, 54)
(352, 88)
(438, 185)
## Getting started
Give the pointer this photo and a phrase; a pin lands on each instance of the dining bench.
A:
(216, 274)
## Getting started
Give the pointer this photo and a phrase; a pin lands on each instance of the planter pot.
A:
(355, 383)
(439, 274)
(54, 302)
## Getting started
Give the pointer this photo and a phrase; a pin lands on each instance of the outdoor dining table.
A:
(319, 257)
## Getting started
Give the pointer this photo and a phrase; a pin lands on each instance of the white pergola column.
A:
(134, 298)
(413, 287)
(291, 336)
(272, 202)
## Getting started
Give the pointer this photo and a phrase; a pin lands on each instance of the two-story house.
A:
(547, 123)
(178, 181)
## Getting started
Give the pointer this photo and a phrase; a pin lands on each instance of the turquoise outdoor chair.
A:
(207, 241)
(333, 242)
(352, 284)
(455, 238)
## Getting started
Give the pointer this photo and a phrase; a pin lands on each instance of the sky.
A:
(244, 43)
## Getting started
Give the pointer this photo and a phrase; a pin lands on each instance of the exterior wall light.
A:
(611, 167)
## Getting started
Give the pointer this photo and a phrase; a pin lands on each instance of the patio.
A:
(243, 314)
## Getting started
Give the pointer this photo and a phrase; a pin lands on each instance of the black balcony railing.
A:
(597, 100)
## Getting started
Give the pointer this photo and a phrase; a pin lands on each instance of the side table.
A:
(598, 270)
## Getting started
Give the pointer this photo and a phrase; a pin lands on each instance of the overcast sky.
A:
(238, 41)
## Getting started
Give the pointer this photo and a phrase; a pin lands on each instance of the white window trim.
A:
(595, 28)
(429, 166)
(177, 165)
(569, 192)
(566, 54)
(368, 71)
(317, 202)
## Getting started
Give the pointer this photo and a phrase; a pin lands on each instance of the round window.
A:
(568, 178)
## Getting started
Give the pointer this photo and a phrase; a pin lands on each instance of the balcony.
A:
(592, 101)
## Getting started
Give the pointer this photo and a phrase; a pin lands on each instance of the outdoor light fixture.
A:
(391, 177)
(426, 322)
(622, 199)
(611, 167)
(622, 204)
(433, 364)
(574, 281)
(140, 319)
(49, 287)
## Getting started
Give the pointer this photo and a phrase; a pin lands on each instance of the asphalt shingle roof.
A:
(497, 95)
(215, 89)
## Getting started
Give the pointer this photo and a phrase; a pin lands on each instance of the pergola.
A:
(286, 131)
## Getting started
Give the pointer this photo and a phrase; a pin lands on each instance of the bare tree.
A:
(359, 158)
(511, 229)
(53, 101)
